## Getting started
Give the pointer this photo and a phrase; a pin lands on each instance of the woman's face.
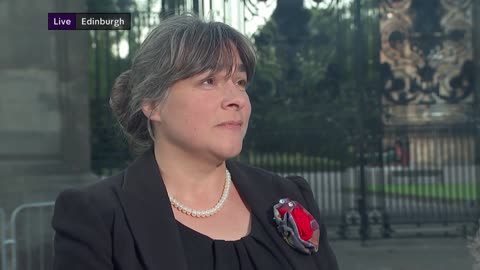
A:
(205, 115)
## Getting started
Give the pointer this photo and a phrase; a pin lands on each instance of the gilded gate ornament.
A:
(426, 54)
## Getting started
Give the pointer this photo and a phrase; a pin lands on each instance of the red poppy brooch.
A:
(297, 226)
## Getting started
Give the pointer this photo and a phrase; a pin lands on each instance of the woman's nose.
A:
(235, 96)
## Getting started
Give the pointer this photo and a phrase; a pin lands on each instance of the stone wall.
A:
(44, 116)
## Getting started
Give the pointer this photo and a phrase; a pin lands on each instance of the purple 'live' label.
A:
(61, 21)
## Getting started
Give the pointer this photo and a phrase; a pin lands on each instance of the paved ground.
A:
(404, 254)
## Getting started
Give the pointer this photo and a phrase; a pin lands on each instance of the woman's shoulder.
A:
(102, 188)
(251, 170)
(257, 172)
(287, 183)
(100, 196)
(83, 219)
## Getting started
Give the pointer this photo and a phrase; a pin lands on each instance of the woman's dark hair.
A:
(178, 48)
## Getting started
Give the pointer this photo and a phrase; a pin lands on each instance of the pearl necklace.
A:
(208, 212)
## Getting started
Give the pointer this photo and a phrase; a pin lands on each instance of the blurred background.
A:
(374, 102)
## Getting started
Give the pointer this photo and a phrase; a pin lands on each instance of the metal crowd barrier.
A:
(31, 237)
(3, 254)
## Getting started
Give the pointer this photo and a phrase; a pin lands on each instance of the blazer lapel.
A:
(259, 192)
(145, 201)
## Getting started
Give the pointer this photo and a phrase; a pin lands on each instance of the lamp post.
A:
(360, 64)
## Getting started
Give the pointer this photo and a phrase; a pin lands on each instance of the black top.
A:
(126, 222)
(252, 252)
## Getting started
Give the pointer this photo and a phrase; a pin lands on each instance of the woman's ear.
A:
(151, 110)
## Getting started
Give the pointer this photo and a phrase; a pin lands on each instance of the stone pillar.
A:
(44, 116)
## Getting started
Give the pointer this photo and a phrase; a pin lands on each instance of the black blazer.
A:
(126, 221)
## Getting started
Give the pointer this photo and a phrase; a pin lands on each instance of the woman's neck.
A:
(189, 177)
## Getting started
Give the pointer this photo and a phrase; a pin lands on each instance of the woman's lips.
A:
(231, 125)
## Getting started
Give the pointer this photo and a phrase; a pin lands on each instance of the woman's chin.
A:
(229, 151)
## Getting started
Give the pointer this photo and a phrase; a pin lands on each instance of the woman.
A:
(181, 205)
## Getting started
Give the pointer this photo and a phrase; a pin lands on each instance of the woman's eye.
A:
(242, 83)
(208, 81)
